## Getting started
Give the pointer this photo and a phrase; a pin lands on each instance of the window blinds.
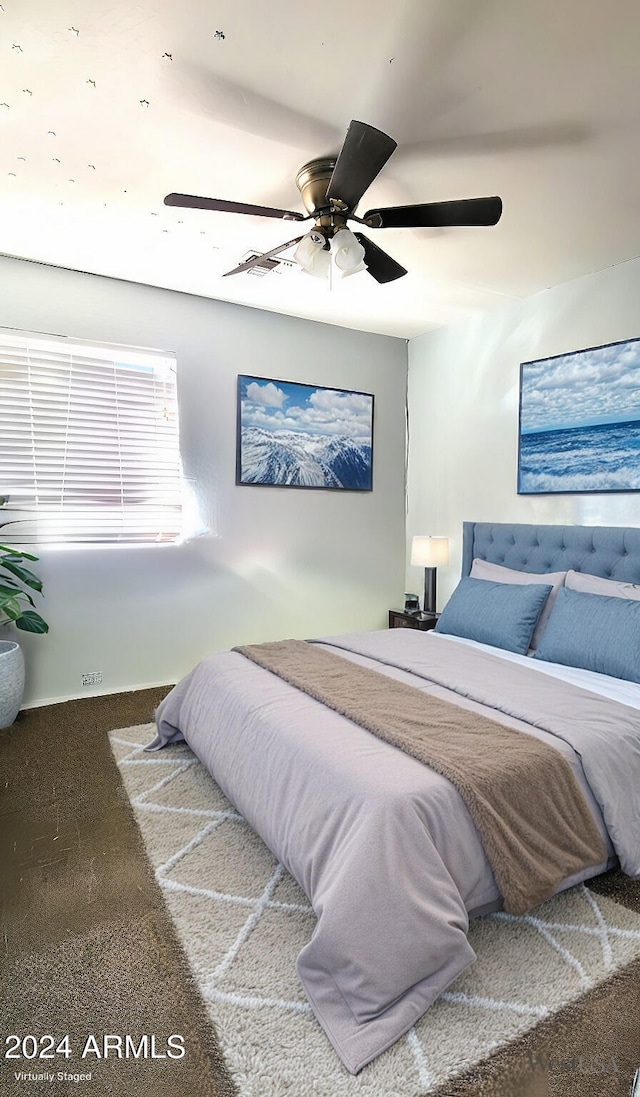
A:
(89, 448)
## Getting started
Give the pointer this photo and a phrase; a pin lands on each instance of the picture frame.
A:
(579, 421)
(296, 435)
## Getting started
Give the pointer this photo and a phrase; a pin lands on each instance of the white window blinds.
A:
(89, 448)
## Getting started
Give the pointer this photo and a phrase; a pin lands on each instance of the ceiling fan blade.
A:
(191, 201)
(467, 211)
(364, 153)
(259, 258)
(380, 265)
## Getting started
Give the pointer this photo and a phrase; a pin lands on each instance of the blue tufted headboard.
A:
(612, 552)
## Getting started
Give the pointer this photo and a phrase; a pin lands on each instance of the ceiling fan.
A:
(331, 188)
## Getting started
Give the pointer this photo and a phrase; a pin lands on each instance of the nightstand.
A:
(422, 621)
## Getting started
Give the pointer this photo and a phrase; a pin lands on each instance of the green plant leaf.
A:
(11, 608)
(11, 554)
(8, 586)
(24, 574)
(11, 593)
(16, 557)
(16, 552)
(30, 621)
(15, 560)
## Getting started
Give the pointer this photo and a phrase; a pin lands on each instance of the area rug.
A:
(242, 921)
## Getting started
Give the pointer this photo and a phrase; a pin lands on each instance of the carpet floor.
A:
(90, 948)
(88, 945)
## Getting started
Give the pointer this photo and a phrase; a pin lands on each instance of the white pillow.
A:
(483, 569)
(594, 584)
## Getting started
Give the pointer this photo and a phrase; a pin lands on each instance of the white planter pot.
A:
(11, 681)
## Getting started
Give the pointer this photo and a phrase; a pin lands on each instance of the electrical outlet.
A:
(92, 678)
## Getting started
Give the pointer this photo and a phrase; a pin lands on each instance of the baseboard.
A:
(41, 702)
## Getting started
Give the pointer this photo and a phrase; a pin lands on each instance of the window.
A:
(89, 449)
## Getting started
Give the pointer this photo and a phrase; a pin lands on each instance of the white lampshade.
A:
(430, 552)
(312, 256)
(348, 252)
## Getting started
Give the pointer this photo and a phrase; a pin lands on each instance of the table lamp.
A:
(429, 553)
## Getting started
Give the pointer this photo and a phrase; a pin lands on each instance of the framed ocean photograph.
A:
(303, 436)
(579, 428)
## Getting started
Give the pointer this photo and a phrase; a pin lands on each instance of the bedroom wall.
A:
(277, 562)
(463, 412)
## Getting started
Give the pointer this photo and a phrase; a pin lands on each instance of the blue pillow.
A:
(593, 631)
(501, 614)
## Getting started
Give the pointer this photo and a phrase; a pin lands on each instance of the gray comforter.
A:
(384, 847)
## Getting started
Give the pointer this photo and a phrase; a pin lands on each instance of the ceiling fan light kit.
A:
(322, 254)
(331, 188)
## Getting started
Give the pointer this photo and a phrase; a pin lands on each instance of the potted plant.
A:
(16, 607)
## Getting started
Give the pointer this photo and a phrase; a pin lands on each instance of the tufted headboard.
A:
(612, 552)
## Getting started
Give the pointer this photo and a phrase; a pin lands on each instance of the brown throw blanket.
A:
(531, 815)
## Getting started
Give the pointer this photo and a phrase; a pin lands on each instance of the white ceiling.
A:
(108, 105)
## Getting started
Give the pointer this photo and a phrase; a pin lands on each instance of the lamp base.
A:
(430, 591)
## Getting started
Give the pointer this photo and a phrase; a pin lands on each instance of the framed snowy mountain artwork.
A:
(303, 436)
(580, 421)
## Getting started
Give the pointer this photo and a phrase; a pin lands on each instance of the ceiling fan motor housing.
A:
(312, 181)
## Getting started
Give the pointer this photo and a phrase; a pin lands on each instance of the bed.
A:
(539, 646)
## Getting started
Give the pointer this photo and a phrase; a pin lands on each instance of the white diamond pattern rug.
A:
(242, 921)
